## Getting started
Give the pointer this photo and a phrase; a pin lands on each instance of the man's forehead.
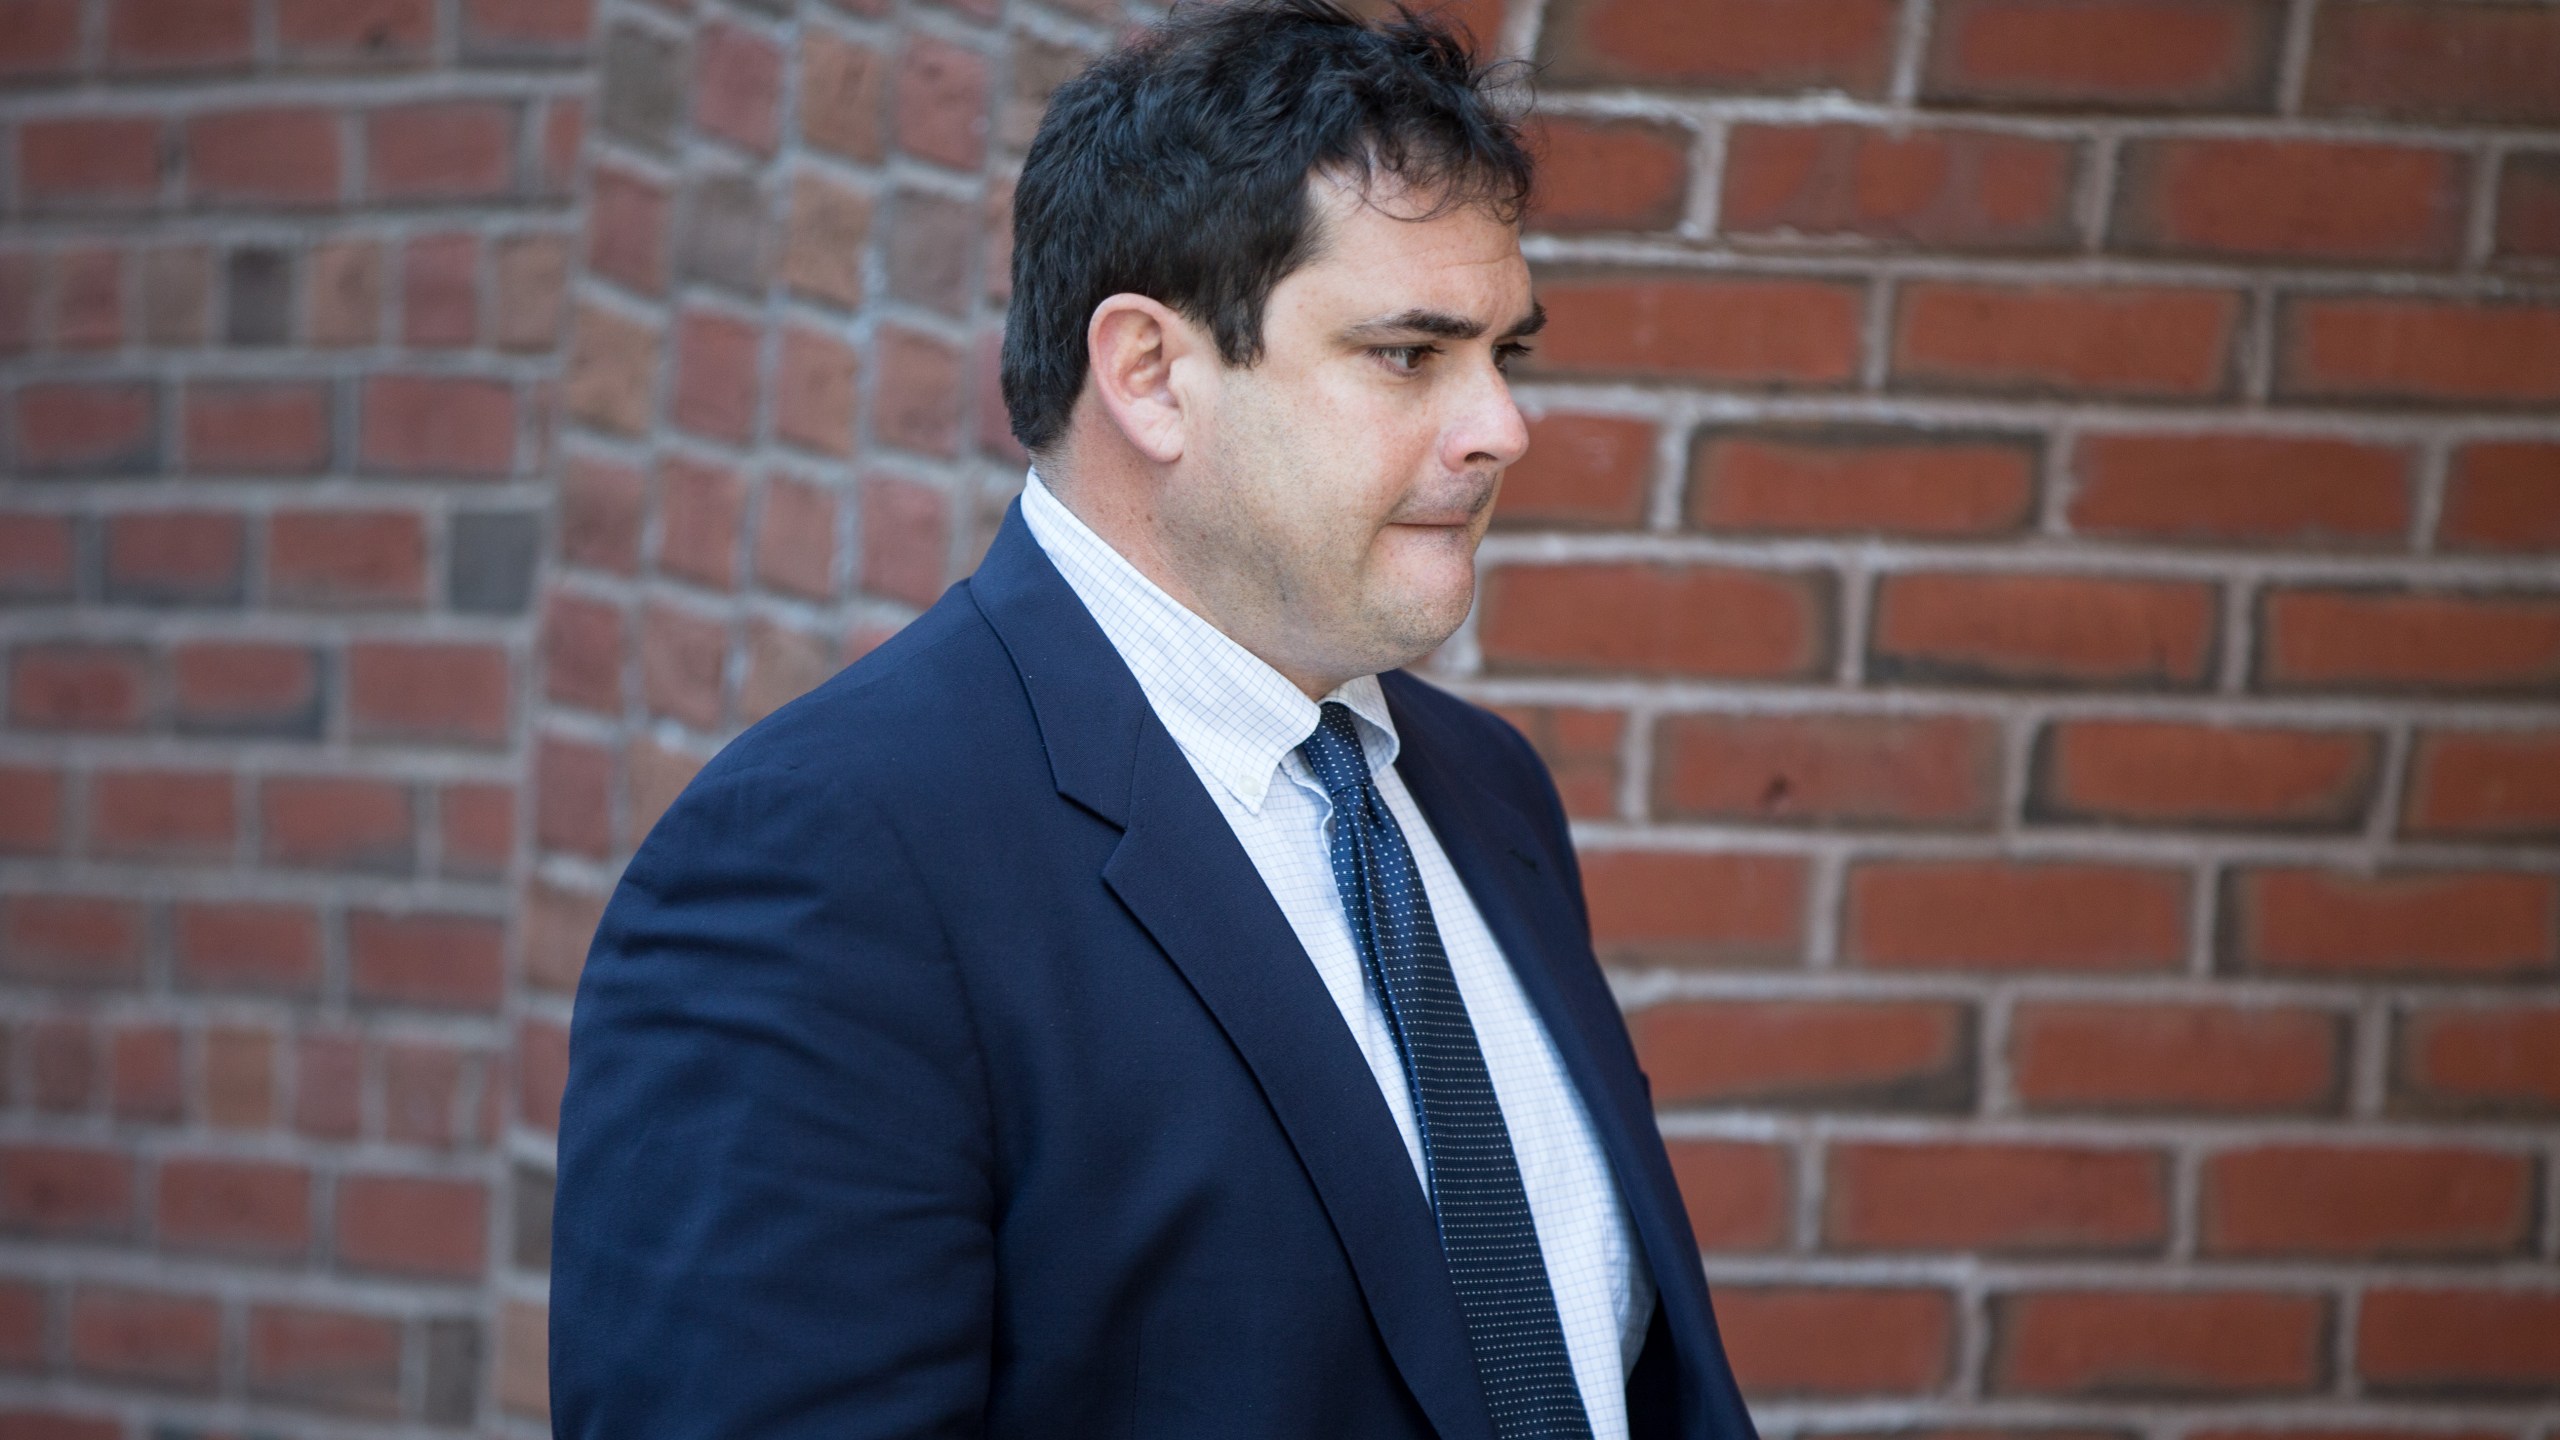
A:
(1375, 261)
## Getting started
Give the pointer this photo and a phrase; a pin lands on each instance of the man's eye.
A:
(1504, 354)
(1405, 359)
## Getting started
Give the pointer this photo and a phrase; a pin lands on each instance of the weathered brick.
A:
(1580, 470)
(2105, 54)
(1939, 188)
(844, 96)
(2393, 349)
(341, 34)
(643, 87)
(175, 557)
(814, 380)
(72, 427)
(1738, 1193)
(257, 295)
(2202, 1058)
(2135, 772)
(2415, 924)
(1723, 330)
(2491, 784)
(164, 815)
(737, 86)
(1673, 908)
(1861, 479)
(917, 391)
(1605, 175)
(1827, 1054)
(1581, 750)
(90, 161)
(2366, 1202)
(440, 300)
(796, 537)
(702, 508)
(2419, 61)
(1762, 45)
(2464, 1341)
(330, 1360)
(2164, 1343)
(69, 1191)
(1885, 770)
(2502, 496)
(455, 692)
(148, 1337)
(683, 665)
(2132, 342)
(717, 379)
(257, 427)
(1999, 1198)
(1998, 915)
(2291, 200)
(939, 104)
(221, 687)
(828, 232)
(1656, 620)
(931, 249)
(613, 362)
(248, 1208)
(2490, 1060)
(78, 687)
(347, 558)
(432, 959)
(456, 425)
(336, 823)
(2241, 489)
(1785, 1340)
(180, 35)
(246, 945)
(2011, 629)
(286, 157)
(2386, 640)
(441, 150)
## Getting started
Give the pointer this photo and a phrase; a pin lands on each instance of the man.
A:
(1124, 1004)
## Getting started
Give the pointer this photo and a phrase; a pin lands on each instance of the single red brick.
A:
(2321, 639)
(561, 140)
(440, 424)
(2081, 1342)
(917, 397)
(334, 823)
(2021, 629)
(2411, 60)
(2208, 1059)
(247, 945)
(2292, 200)
(796, 537)
(1657, 619)
(175, 556)
(1726, 330)
(1609, 175)
(717, 382)
(180, 34)
(683, 665)
(1828, 769)
(2496, 784)
(347, 558)
(2440, 1341)
(457, 692)
(2392, 348)
(2529, 208)
(1861, 479)
(1832, 1054)
(62, 1063)
(39, 37)
(737, 86)
(2493, 1060)
(1579, 470)
(573, 797)
(2106, 54)
(2418, 924)
(240, 1083)
(532, 292)
(77, 687)
(413, 1225)
(89, 298)
(2502, 496)
(2136, 342)
(283, 156)
(657, 774)
(36, 555)
(438, 960)
(149, 1337)
(440, 290)
(2366, 1203)
(844, 94)
(1765, 45)
(559, 924)
(814, 380)
(1580, 748)
(330, 1359)
(602, 509)
(2244, 489)
(542, 1072)
(257, 427)
(252, 1208)
(1786, 1340)
(441, 150)
(1992, 1197)
(940, 106)
(477, 824)
(702, 508)
(627, 229)
(245, 687)
(328, 1072)
(1944, 188)
(1738, 1193)
(906, 539)
(30, 810)
(342, 293)
(70, 939)
(147, 1074)
(827, 235)
(87, 160)
(422, 1093)
(66, 1191)
(79, 427)
(2011, 915)
(163, 814)
(339, 33)
(1667, 907)
(2140, 772)
(582, 652)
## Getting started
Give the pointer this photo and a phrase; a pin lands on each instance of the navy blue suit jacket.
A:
(944, 1068)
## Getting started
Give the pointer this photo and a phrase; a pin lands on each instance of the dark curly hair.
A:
(1176, 167)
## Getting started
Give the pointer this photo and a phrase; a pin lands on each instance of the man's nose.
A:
(1489, 432)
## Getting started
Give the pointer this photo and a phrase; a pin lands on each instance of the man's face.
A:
(1329, 504)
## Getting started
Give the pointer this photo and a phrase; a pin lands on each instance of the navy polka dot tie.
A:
(1485, 1227)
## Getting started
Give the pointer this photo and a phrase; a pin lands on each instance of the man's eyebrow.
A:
(1439, 325)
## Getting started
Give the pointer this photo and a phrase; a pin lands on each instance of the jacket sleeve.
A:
(774, 1214)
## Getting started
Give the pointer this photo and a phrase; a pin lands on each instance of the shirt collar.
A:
(1236, 717)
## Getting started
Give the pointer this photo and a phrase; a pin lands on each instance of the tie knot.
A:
(1334, 753)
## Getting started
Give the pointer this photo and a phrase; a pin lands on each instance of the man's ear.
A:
(1135, 349)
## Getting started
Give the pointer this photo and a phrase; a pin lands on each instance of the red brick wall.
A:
(2037, 578)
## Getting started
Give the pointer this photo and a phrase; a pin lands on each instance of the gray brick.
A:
(644, 90)
(489, 566)
(723, 239)
(453, 1371)
(257, 296)
(531, 1194)
(933, 243)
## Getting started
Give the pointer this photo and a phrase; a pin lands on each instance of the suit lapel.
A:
(1181, 873)
(1523, 900)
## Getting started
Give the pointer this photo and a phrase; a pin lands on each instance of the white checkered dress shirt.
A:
(1240, 722)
